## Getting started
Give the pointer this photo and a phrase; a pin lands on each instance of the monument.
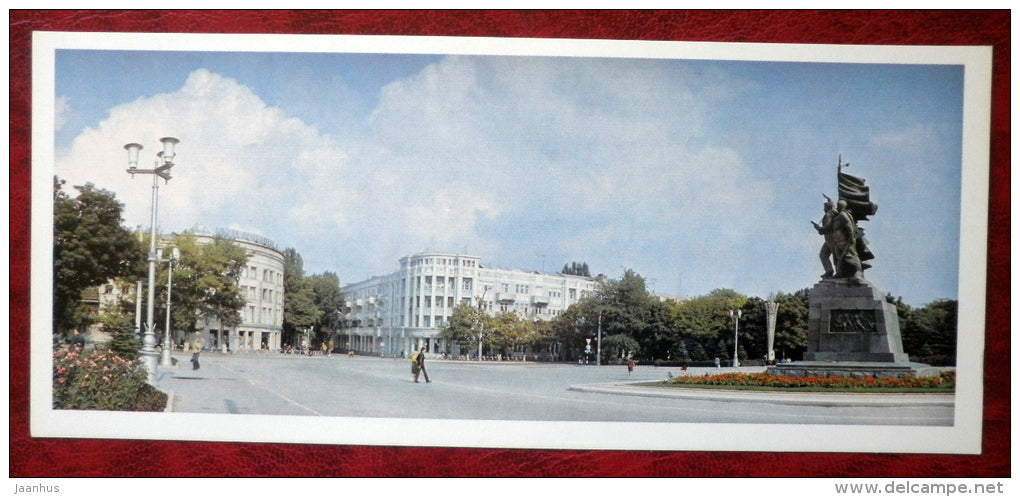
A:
(852, 329)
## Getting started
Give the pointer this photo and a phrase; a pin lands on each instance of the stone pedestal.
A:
(852, 331)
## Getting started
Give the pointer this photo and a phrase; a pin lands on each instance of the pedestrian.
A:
(630, 366)
(418, 366)
(196, 349)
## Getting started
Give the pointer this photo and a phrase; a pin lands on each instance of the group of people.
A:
(841, 254)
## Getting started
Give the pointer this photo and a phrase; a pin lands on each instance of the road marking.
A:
(254, 383)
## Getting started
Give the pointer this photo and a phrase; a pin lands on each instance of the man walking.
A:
(420, 361)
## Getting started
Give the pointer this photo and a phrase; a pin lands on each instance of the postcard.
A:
(536, 221)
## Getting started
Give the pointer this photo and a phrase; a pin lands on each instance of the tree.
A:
(328, 299)
(577, 269)
(221, 264)
(300, 312)
(622, 346)
(90, 247)
(466, 321)
(929, 333)
(569, 328)
(124, 343)
(625, 308)
(792, 324)
(704, 325)
(507, 333)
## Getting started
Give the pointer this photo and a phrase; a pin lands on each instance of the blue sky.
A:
(696, 174)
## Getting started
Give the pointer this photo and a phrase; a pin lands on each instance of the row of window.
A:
(443, 261)
(266, 315)
(268, 275)
(268, 296)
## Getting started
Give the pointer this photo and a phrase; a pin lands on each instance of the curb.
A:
(785, 398)
(169, 401)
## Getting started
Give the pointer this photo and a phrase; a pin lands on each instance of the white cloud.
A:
(237, 163)
(62, 109)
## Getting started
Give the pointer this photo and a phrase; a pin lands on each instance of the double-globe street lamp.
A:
(162, 167)
(736, 326)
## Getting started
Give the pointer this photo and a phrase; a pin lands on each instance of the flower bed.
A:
(101, 380)
(946, 381)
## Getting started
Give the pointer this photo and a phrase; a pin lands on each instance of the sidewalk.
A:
(217, 388)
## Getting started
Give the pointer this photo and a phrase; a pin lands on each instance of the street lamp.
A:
(175, 256)
(162, 167)
(481, 322)
(598, 343)
(736, 326)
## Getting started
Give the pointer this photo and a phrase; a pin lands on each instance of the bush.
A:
(124, 343)
(102, 380)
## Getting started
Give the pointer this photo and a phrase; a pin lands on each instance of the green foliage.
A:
(101, 380)
(205, 283)
(626, 310)
(220, 268)
(929, 333)
(508, 331)
(309, 302)
(328, 300)
(90, 247)
(621, 346)
(464, 325)
(577, 269)
(124, 343)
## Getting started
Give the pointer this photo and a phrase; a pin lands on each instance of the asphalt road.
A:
(274, 384)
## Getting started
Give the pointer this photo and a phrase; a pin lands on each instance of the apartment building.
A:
(406, 310)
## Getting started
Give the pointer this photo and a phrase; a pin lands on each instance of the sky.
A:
(696, 174)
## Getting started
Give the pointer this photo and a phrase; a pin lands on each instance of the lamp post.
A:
(736, 326)
(162, 167)
(481, 322)
(598, 343)
(175, 256)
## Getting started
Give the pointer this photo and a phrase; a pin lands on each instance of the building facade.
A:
(261, 285)
(406, 310)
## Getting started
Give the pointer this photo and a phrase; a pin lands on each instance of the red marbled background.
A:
(33, 457)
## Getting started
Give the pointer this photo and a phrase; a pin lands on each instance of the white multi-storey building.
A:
(406, 310)
(261, 285)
